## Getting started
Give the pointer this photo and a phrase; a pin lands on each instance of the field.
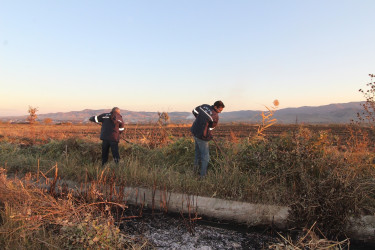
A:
(326, 174)
(39, 134)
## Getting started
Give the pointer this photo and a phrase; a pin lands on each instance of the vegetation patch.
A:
(31, 218)
(321, 180)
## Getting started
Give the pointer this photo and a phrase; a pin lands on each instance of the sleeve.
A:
(117, 119)
(213, 123)
(121, 124)
(99, 118)
(196, 111)
(96, 119)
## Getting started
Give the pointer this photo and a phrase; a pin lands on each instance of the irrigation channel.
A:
(177, 231)
(180, 221)
(173, 230)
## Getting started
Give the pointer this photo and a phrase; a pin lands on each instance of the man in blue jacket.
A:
(206, 119)
(112, 127)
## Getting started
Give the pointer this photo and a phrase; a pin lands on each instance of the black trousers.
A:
(105, 151)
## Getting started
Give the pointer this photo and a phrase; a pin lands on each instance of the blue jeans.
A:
(202, 155)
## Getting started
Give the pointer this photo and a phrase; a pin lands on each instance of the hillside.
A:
(332, 113)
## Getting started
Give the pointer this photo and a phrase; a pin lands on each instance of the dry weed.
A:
(310, 240)
(267, 120)
(32, 218)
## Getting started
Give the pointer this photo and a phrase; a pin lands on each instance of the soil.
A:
(172, 231)
(175, 231)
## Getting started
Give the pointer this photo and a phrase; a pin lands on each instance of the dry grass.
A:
(27, 134)
(39, 134)
(33, 219)
(310, 240)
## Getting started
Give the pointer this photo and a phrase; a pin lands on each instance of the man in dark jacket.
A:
(206, 119)
(112, 127)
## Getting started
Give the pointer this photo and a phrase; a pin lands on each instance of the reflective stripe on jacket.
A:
(206, 119)
(112, 126)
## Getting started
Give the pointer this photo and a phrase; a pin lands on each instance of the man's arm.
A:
(214, 122)
(117, 119)
(96, 119)
(196, 111)
(121, 124)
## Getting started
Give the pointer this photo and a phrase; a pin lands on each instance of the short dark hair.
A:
(114, 109)
(219, 104)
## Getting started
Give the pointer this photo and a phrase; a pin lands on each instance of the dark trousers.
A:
(105, 151)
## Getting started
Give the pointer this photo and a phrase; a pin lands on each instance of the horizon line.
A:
(5, 116)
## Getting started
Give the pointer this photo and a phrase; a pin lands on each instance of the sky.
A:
(173, 55)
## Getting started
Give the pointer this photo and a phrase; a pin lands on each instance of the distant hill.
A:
(332, 113)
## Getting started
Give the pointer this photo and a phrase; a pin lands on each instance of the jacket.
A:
(206, 119)
(112, 126)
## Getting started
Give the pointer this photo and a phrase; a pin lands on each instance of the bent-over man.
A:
(206, 119)
(112, 127)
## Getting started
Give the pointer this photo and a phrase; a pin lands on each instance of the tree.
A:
(163, 118)
(47, 121)
(368, 113)
(32, 115)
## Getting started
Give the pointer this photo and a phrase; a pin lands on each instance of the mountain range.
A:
(326, 114)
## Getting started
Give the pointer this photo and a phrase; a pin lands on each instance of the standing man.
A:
(112, 127)
(206, 119)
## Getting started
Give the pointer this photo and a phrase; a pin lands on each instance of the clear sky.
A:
(172, 55)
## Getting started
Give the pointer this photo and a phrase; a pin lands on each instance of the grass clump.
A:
(33, 219)
(311, 239)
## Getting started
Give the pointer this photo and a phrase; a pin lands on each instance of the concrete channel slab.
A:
(241, 212)
(361, 228)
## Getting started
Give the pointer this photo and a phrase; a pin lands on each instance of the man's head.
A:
(115, 110)
(219, 106)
